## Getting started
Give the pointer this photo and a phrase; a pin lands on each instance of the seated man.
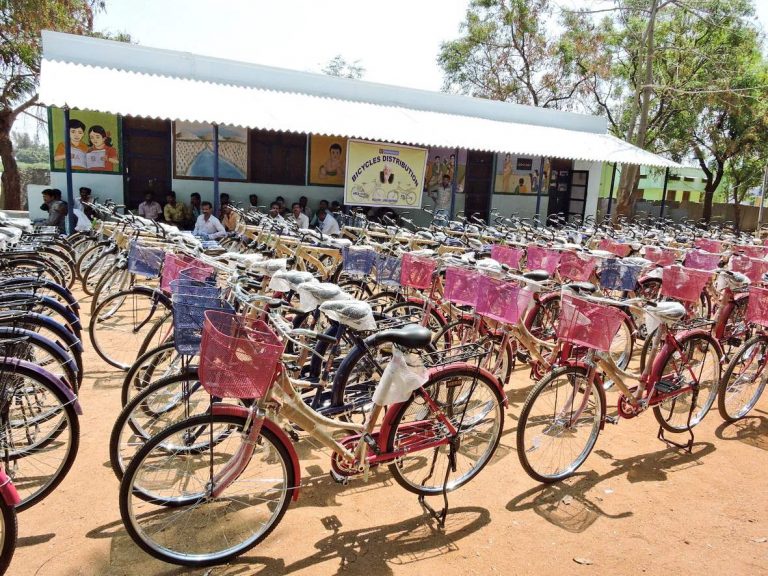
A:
(327, 223)
(174, 212)
(150, 209)
(207, 225)
(231, 218)
(299, 217)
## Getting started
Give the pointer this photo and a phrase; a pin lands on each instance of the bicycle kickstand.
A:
(441, 516)
(688, 446)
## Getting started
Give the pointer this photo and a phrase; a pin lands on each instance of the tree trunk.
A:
(709, 195)
(627, 197)
(11, 179)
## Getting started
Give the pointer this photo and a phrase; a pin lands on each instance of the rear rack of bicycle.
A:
(463, 353)
(694, 323)
(393, 322)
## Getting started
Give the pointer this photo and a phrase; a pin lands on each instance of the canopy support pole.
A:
(538, 187)
(664, 193)
(216, 200)
(68, 165)
(610, 194)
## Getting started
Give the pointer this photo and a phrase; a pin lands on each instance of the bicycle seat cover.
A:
(411, 336)
(668, 312)
(581, 287)
(283, 280)
(537, 275)
(733, 280)
(312, 294)
(353, 313)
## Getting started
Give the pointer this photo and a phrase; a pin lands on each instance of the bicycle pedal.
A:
(612, 419)
(667, 387)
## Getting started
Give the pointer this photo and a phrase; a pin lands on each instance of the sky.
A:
(397, 42)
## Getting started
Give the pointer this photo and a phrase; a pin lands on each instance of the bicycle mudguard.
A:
(8, 491)
(55, 382)
(667, 350)
(533, 310)
(32, 283)
(67, 315)
(441, 370)
(222, 409)
(13, 332)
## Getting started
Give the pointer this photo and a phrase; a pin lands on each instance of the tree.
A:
(21, 22)
(507, 52)
(339, 66)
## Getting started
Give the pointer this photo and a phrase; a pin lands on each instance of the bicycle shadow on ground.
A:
(376, 551)
(319, 489)
(575, 504)
(751, 430)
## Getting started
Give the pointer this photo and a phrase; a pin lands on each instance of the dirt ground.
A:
(635, 507)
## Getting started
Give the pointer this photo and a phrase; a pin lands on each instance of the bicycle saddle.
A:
(322, 291)
(412, 336)
(282, 280)
(581, 287)
(667, 311)
(734, 280)
(353, 313)
(268, 266)
(537, 275)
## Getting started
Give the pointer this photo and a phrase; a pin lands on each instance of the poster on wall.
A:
(327, 157)
(94, 141)
(517, 174)
(382, 174)
(193, 151)
(442, 162)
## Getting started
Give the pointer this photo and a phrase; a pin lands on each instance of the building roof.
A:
(166, 84)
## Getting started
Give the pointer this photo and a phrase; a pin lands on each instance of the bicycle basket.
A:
(661, 257)
(576, 267)
(461, 286)
(188, 317)
(539, 258)
(620, 249)
(388, 270)
(757, 306)
(586, 323)
(708, 245)
(618, 275)
(238, 357)
(358, 260)
(502, 301)
(417, 271)
(145, 260)
(682, 283)
(752, 268)
(701, 260)
(752, 250)
(507, 255)
(175, 263)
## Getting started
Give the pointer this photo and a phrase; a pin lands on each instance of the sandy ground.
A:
(635, 507)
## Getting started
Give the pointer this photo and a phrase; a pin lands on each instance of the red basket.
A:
(701, 260)
(588, 324)
(752, 268)
(684, 284)
(708, 245)
(576, 267)
(417, 271)
(752, 250)
(507, 255)
(757, 306)
(618, 248)
(502, 301)
(662, 257)
(542, 259)
(175, 263)
(238, 358)
(461, 286)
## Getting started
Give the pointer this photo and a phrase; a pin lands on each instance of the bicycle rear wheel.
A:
(473, 405)
(8, 534)
(165, 499)
(744, 379)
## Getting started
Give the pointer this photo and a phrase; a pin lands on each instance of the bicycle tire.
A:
(104, 264)
(140, 374)
(66, 366)
(9, 534)
(731, 403)
(191, 507)
(454, 399)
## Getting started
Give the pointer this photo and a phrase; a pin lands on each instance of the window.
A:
(689, 179)
(278, 157)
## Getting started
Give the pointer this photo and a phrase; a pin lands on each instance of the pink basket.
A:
(588, 324)
(238, 358)
(507, 255)
(417, 271)
(175, 263)
(752, 250)
(618, 248)
(708, 245)
(752, 268)
(576, 267)
(542, 259)
(757, 306)
(502, 301)
(701, 260)
(684, 284)
(461, 286)
(665, 257)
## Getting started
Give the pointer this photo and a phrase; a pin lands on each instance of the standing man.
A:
(207, 225)
(174, 212)
(442, 197)
(327, 223)
(299, 217)
(194, 211)
(150, 209)
(85, 196)
(56, 208)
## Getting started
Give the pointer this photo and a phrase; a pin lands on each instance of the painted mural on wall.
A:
(517, 174)
(94, 141)
(327, 158)
(445, 161)
(193, 152)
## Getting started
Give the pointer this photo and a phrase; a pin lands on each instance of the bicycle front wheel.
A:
(744, 380)
(175, 518)
(8, 535)
(473, 405)
(559, 424)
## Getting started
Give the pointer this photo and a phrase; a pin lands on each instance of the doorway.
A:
(478, 184)
(146, 159)
(559, 187)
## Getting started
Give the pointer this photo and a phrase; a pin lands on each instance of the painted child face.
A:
(75, 135)
(335, 154)
(96, 139)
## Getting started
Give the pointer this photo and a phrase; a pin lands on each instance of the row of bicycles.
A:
(396, 346)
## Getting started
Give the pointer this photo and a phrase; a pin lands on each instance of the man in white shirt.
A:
(150, 209)
(301, 219)
(208, 225)
(327, 223)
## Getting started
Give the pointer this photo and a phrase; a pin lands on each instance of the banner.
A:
(384, 174)
(326, 160)
(94, 141)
